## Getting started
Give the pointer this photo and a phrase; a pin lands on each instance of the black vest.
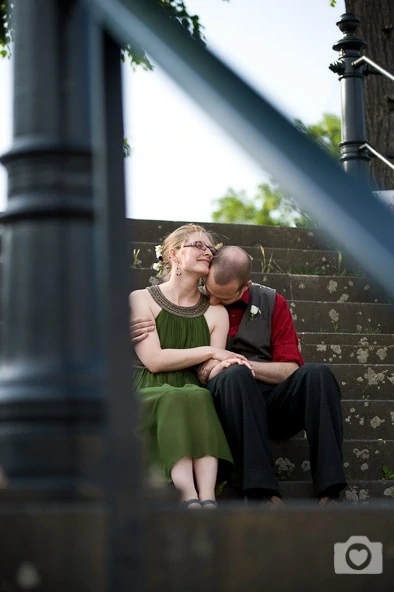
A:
(253, 338)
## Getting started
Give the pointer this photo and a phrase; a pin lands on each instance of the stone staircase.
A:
(342, 318)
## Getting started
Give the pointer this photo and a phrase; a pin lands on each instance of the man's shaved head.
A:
(230, 264)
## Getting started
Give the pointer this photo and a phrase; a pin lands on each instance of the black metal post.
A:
(125, 503)
(351, 77)
(51, 374)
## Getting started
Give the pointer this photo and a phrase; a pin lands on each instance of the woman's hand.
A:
(227, 363)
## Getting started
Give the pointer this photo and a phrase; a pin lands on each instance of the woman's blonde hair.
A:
(176, 240)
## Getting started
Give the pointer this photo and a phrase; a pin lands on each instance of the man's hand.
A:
(140, 328)
(223, 354)
(227, 363)
(274, 372)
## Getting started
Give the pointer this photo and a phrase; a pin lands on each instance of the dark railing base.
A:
(60, 548)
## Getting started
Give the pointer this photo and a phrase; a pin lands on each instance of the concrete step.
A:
(268, 260)
(154, 231)
(301, 287)
(343, 317)
(365, 382)
(358, 491)
(363, 459)
(347, 347)
(368, 419)
(297, 287)
(326, 288)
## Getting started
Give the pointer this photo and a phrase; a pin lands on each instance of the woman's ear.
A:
(173, 256)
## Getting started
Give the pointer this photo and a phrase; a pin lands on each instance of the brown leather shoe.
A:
(273, 501)
(328, 501)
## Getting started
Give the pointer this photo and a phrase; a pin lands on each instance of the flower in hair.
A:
(158, 266)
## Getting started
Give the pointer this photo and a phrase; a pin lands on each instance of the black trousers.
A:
(253, 413)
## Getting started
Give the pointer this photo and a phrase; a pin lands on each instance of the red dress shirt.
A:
(284, 340)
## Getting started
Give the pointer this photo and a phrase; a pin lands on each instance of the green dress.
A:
(178, 414)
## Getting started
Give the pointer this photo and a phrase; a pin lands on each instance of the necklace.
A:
(180, 311)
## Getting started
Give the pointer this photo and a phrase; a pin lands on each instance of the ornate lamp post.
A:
(351, 76)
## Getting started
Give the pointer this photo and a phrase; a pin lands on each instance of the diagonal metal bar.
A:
(365, 60)
(371, 149)
(342, 205)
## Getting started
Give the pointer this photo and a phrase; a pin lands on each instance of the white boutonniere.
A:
(254, 312)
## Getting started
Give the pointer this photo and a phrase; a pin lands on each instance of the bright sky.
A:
(181, 160)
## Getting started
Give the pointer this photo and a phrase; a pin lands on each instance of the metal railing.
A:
(372, 150)
(366, 60)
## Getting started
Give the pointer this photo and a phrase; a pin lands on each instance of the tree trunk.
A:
(377, 29)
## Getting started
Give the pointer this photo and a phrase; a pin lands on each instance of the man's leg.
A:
(241, 408)
(310, 399)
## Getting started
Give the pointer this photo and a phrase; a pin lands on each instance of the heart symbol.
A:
(358, 557)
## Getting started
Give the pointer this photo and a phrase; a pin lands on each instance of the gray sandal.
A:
(209, 503)
(190, 502)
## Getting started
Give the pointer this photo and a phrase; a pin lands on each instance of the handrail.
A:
(374, 65)
(344, 206)
(372, 150)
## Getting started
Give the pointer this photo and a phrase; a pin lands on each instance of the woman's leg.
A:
(205, 471)
(182, 477)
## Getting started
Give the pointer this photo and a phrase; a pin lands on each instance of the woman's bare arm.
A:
(156, 359)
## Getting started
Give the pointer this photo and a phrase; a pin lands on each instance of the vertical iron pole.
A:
(51, 372)
(351, 78)
(123, 472)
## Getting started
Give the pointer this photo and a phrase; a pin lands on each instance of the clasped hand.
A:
(226, 359)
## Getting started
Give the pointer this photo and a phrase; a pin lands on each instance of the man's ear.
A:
(245, 287)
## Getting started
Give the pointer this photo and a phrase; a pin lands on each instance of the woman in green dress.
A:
(184, 436)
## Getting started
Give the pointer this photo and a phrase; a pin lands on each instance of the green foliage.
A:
(126, 148)
(5, 29)
(387, 472)
(136, 261)
(327, 132)
(219, 488)
(176, 10)
(269, 206)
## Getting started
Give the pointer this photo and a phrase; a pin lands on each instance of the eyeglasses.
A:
(203, 247)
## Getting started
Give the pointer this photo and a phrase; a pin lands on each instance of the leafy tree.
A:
(269, 206)
(327, 133)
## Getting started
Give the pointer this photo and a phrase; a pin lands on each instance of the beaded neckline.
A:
(180, 311)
